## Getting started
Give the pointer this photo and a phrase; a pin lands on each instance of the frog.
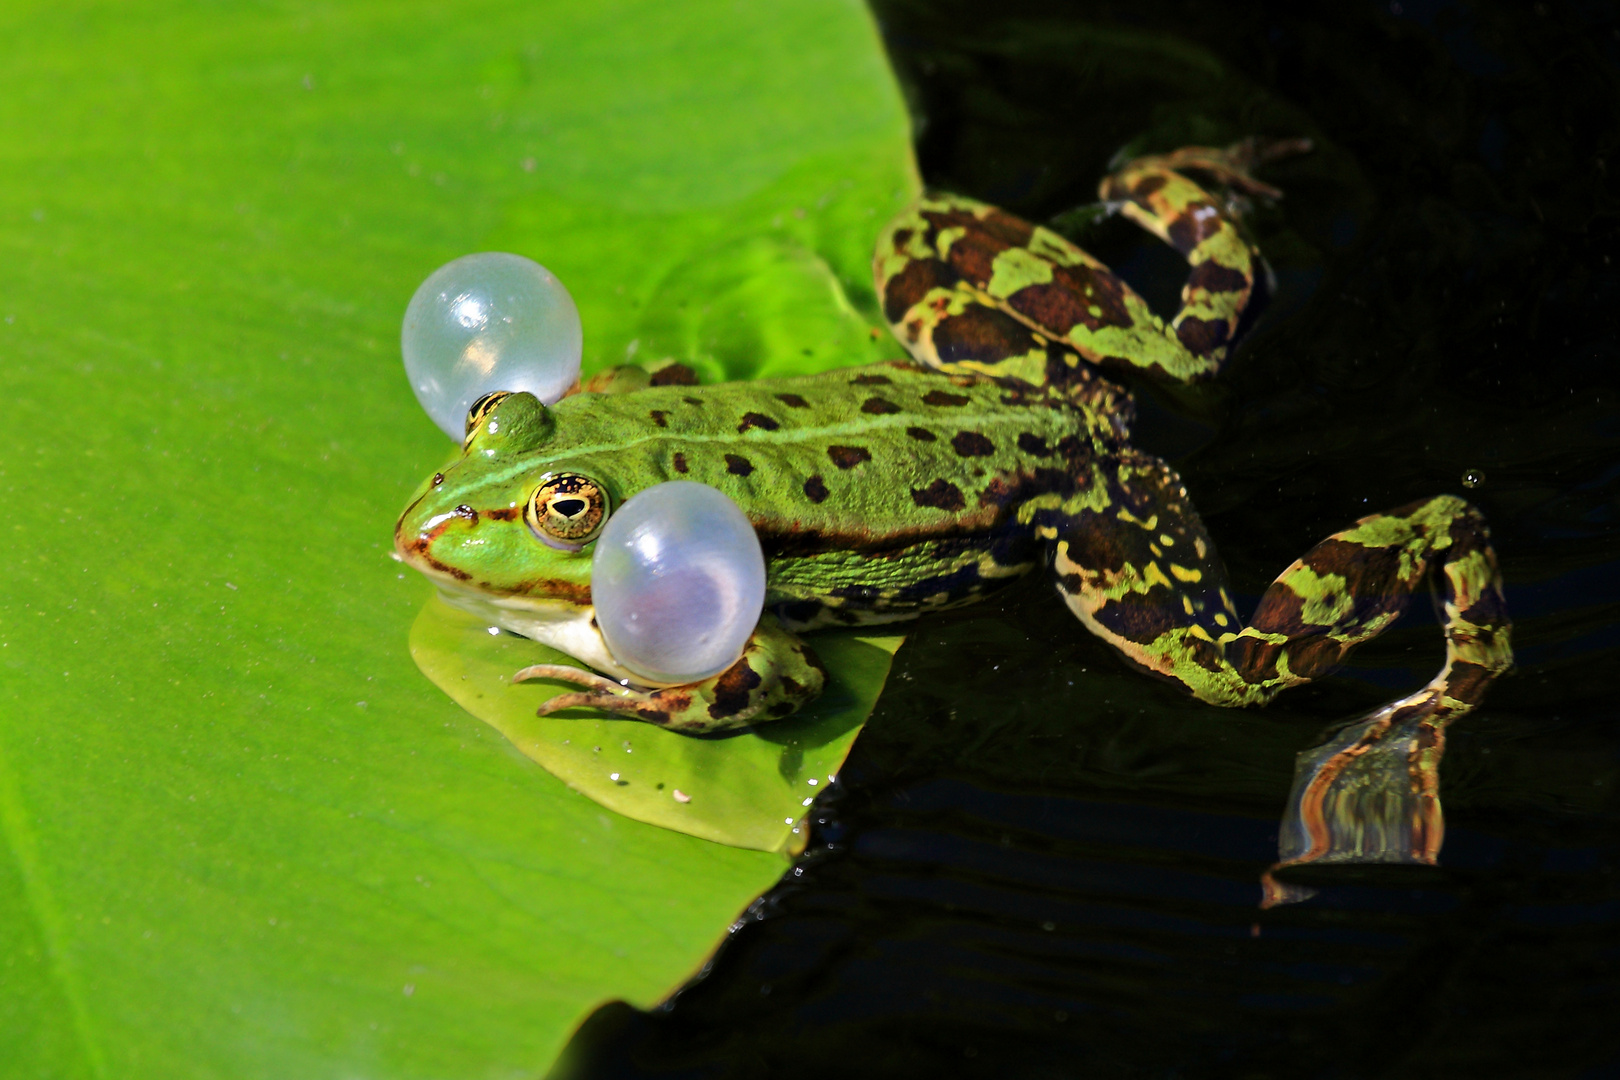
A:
(999, 445)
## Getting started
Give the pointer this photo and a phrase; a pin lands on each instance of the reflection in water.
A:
(1370, 794)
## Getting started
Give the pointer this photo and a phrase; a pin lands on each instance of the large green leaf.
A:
(242, 835)
(749, 788)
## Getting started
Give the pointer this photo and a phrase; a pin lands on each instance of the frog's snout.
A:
(419, 529)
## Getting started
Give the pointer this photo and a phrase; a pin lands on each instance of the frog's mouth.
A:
(560, 624)
(569, 626)
(566, 627)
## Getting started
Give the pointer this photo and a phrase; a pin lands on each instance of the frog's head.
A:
(505, 519)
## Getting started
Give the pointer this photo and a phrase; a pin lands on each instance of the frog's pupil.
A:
(569, 507)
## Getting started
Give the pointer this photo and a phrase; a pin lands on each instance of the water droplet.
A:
(1473, 478)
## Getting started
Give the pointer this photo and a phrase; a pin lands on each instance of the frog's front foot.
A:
(775, 676)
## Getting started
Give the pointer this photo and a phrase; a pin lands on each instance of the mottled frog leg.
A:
(958, 278)
(1153, 192)
(776, 675)
(1135, 565)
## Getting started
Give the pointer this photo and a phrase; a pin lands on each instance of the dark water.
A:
(1040, 864)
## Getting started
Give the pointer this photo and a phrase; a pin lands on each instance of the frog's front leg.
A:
(776, 675)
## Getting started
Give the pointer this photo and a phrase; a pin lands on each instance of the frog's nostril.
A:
(438, 478)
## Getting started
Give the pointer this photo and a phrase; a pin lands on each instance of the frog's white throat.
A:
(568, 628)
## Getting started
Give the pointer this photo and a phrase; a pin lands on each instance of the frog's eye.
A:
(482, 408)
(567, 511)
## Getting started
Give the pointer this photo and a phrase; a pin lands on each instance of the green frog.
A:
(886, 492)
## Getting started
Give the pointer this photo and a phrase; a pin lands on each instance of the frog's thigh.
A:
(949, 247)
(1134, 563)
(776, 675)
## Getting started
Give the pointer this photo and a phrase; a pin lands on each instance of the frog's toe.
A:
(602, 693)
(564, 673)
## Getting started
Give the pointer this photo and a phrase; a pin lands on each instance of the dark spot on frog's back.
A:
(847, 457)
(660, 417)
(815, 489)
(941, 495)
(793, 401)
(876, 406)
(921, 434)
(759, 420)
(972, 444)
(731, 689)
(737, 465)
(942, 398)
(871, 380)
(679, 462)
(674, 375)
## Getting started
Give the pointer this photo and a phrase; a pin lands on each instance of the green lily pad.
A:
(749, 789)
(240, 833)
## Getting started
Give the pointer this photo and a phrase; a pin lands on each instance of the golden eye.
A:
(567, 511)
(482, 408)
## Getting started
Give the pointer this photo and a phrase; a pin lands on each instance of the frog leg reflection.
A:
(1135, 565)
(776, 675)
(947, 266)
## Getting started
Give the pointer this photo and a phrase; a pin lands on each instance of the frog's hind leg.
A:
(958, 277)
(1223, 267)
(1135, 565)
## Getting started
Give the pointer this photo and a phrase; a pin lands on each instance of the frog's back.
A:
(865, 457)
(883, 489)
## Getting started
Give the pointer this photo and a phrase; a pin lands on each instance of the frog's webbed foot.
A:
(657, 706)
(776, 675)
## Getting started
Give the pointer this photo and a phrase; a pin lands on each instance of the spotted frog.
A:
(886, 492)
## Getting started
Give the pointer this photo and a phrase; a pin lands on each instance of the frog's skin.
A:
(885, 492)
